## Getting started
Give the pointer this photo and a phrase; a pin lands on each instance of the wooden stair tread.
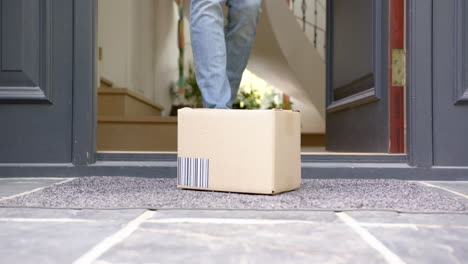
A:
(124, 91)
(137, 119)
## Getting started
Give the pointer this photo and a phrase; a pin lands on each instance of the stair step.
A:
(124, 102)
(142, 133)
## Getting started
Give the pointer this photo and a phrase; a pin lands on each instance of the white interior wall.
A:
(167, 51)
(142, 47)
(113, 38)
(139, 45)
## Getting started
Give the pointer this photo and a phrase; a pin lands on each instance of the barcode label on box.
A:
(193, 172)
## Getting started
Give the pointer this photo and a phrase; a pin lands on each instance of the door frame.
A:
(84, 82)
(417, 164)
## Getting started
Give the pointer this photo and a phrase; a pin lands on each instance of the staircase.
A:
(129, 122)
(285, 57)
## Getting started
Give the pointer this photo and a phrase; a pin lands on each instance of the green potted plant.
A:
(192, 92)
(188, 96)
(248, 100)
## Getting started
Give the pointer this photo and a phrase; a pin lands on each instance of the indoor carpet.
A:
(155, 193)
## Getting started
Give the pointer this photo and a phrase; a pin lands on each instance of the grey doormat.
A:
(152, 193)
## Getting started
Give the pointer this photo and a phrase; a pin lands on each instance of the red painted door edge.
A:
(396, 93)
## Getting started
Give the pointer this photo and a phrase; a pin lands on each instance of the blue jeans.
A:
(221, 52)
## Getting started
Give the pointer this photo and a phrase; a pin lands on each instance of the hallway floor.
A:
(240, 235)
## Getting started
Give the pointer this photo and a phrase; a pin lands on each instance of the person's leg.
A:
(209, 51)
(240, 34)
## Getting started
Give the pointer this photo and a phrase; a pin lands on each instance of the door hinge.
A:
(398, 67)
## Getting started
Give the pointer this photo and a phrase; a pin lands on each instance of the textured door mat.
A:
(152, 193)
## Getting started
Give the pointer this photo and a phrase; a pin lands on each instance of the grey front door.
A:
(450, 83)
(357, 94)
(36, 78)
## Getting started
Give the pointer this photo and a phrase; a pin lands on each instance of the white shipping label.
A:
(193, 172)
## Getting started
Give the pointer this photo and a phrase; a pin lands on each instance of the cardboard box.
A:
(246, 151)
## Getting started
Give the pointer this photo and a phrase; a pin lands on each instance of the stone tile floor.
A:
(219, 236)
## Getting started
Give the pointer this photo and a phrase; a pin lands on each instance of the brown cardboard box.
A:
(246, 151)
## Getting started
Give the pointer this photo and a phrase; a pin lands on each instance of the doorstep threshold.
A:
(319, 157)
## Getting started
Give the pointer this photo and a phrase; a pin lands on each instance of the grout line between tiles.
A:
(109, 242)
(33, 191)
(445, 189)
(371, 240)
